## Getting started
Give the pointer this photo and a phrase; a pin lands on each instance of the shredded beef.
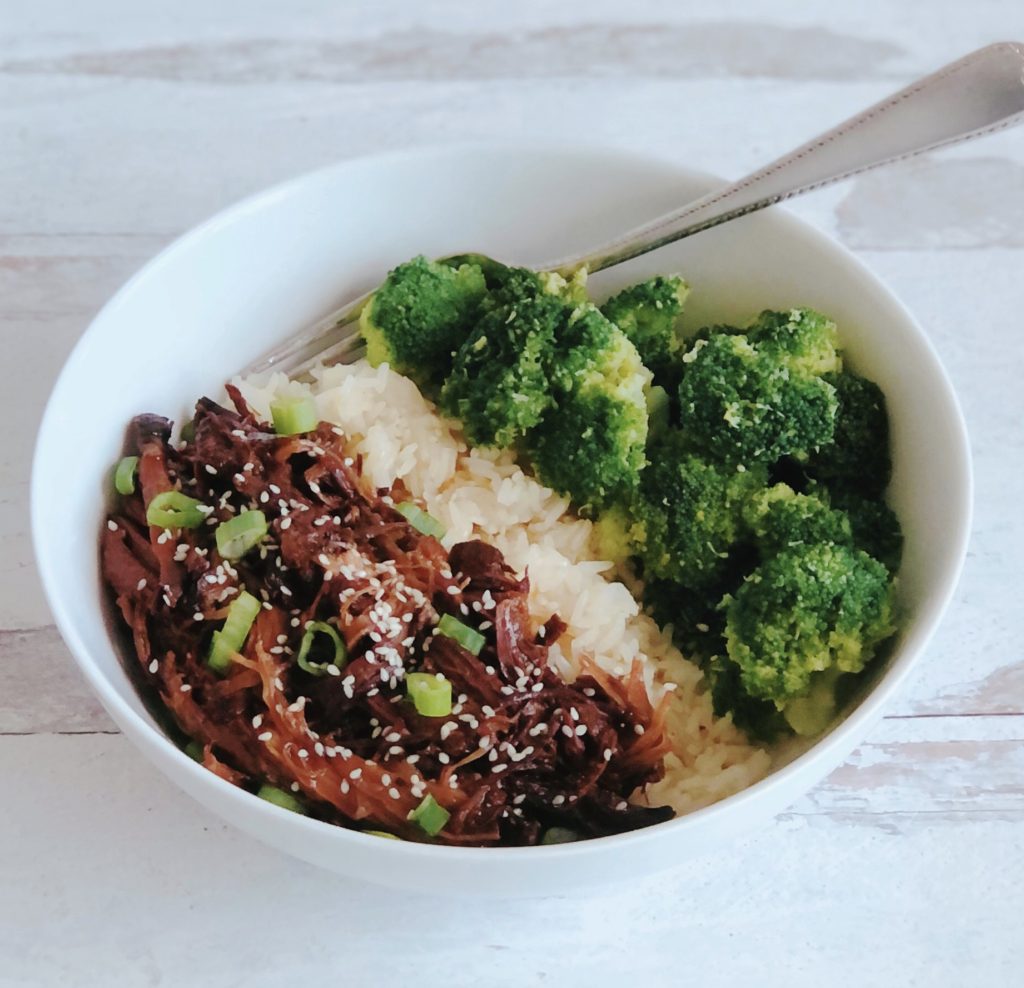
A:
(521, 751)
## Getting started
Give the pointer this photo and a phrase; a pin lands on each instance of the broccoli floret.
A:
(858, 458)
(804, 611)
(687, 513)
(803, 340)
(499, 384)
(590, 446)
(781, 519)
(573, 289)
(495, 273)
(875, 527)
(810, 714)
(590, 443)
(741, 405)
(420, 315)
(612, 536)
(760, 719)
(648, 314)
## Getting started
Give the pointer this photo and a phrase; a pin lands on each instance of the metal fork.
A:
(975, 95)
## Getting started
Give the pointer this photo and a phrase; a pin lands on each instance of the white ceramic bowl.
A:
(223, 293)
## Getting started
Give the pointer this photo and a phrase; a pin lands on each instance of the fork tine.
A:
(334, 334)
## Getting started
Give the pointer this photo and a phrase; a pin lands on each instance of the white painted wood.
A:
(139, 886)
(124, 124)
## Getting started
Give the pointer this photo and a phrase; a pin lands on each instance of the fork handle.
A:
(975, 95)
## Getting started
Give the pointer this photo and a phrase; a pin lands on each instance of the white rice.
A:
(483, 494)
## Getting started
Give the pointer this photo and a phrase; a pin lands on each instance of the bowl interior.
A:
(225, 292)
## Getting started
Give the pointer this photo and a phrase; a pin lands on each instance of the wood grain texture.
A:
(176, 897)
(125, 124)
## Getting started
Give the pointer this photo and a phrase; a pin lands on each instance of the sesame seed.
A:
(385, 779)
(257, 720)
(154, 665)
(265, 736)
(185, 688)
(498, 768)
(607, 754)
(621, 805)
(211, 470)
(112, 525)
(443, 758)
(567, 731)
(198, 616)
(581, 729)
(141, 585)
(344, 787)
(286, 523)
(394, 793)
(639, 728)
(302, 753)
(558, 800)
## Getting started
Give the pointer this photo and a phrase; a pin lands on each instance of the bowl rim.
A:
(845, 735)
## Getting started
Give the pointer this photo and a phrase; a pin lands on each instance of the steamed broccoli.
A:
(648, 314)
(761, 719)
(803, 340)
(875, 527)
(741, 404)
(781, 519)
(803, 611)
(590, 442)
(499, 384)
(420, 315)
(858, 458)
(687, 514)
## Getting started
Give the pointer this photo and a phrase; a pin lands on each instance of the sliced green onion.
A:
(432, 694)
(293, 415)
(232, 635)
(280, 798)
(420, 520)
(194, 750)
(124, 475)
(219, 659)
(172, 509)
(188, 431)
(559, 835)
(430, 816)
(381, 833)
(470, 640)
(313, 629)
(236, 536)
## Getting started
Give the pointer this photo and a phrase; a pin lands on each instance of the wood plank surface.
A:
(125, 124)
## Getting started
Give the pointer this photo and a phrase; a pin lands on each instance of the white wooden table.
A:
(122, 124)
